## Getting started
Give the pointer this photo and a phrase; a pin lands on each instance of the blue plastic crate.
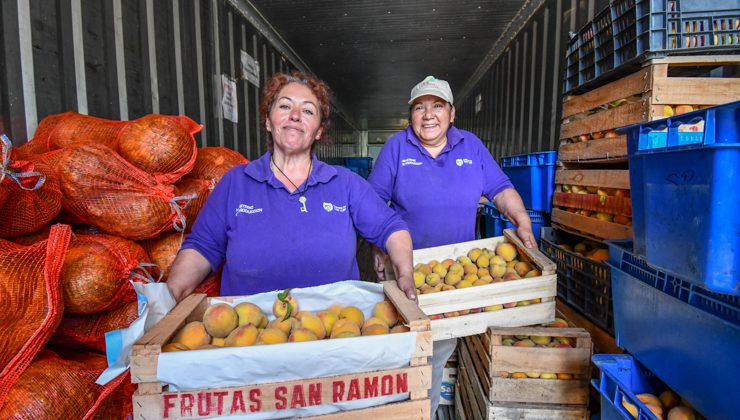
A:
(358, 163)
(497, 222)
(685, 196)
(688, 336)
(622, 377)
(533, 176)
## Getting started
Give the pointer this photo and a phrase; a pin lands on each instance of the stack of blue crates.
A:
(358, 165)
(676, 289)
(533, 176)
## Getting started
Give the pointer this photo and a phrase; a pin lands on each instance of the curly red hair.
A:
(318, 87)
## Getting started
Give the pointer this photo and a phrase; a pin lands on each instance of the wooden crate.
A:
(586, 225)
(153, 400)
(473, 404)
(543, 287)
(655, 87)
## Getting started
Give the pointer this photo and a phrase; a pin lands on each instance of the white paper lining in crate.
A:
(236, 366)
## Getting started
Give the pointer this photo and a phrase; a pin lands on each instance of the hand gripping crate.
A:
(543, 287)
(605, 191)
(154, 400)
(588, 120)
(485, 393)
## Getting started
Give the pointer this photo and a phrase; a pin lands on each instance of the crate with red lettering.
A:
(400, 392)
(467, 287)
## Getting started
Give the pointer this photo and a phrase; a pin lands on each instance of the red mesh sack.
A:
(31, 302)
(102, 189)
(119, 404)
(198, 190)
(78, 331)
(30, 193)
(57, 388)
(97, 270)
(59, 131)
(162, 250)
(214, 162)
(160, 144)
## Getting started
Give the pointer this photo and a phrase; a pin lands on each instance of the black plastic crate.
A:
(571, 64)
(586, 70)
(603, 42)
(583, 283)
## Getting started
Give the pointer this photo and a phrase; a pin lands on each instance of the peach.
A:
(352, 313)
(447, 287)
(280, 307)
(565, 376)
(600, 255)
(220, 319)
(169, 347)
(464, 311)
(424, 269)
(506, 251)
(451, 314)
(464, 260)
(263, 323)
(631, 408)
(419, 279)
(510, 265)
(435, 316)
(245, 335)
(470, 268)
(509, 305)
(219, 342)
(548, 376)
(464, 284)
(456, 268)
(524, 343)
(433, 279)
(302, 334)
(559, 323)
(284, 325)
(682, 109)
(668, 111)
(483, 261)
(497, 270)
(447, 263)
(440, 270)
(566, 340)
(533, 375)
(386, 312)
(474, 253)
(519, 375)
(503, 374)
(328, 318)
(511, 276)
(483, 282)
(272, 336)
(375, 329)
(649, 399)
(471, 277)
(540, 340)
(669, 399)
(657, 410)
(533, 273)
(374, 321)
(193, 335)
(249, 313)
(346, 334)
(522, 268)
(492, 308)
(432, 263)
(681, 413)
(345, 325)
(400, 328)
(313, 323)
(482, 272)
(507, 342)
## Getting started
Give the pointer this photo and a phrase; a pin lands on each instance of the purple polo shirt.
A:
(257, 226)
(437, 197)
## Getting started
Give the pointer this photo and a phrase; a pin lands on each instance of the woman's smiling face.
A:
(431, 118)
(294, 119)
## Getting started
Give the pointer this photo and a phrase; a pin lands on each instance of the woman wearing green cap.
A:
(433, 174)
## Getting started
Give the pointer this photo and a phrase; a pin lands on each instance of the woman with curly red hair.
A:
(287, 219)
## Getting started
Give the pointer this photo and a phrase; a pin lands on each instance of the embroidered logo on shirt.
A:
(461, 162)
(333, 207)
(244, 208)
(410, 161)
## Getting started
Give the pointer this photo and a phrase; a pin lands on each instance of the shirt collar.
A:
(454, 137)
(260, 171)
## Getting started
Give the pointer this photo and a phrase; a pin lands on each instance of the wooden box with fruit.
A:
(594, 202)
(467, 287)
(243, 340)
(660, 89)
(542, 371)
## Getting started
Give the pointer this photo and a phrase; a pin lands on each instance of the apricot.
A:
(344, 325)
(245, 335)
(170, 347)
(193, 335)
(681, 413)
(375, 329)
(386, 312)
(313, 323)
(400, 328)
(249, 313)
(272, 336)
(522, 268)
(302, 334)
(220, 319)
(506, 251)
(328, 318)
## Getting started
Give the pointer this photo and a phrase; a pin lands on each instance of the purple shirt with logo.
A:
(270, 241)
(437, 197)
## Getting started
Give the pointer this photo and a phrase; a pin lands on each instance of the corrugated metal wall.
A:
(121, 59)
(518, 99)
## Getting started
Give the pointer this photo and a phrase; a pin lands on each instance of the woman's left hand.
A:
(406, 284)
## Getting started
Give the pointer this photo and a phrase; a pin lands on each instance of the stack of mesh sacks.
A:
(87, 206)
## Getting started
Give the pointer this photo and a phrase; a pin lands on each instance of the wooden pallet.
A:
(474, 402)
(154, 400)
(656, 89)
(543, 287)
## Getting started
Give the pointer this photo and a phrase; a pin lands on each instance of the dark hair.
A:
(318, 87)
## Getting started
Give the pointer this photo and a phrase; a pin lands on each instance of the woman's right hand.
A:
(379, 263)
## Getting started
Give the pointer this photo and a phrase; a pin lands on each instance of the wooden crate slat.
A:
(598, 228)
(476, 347)
(418, 409)
(477, 363)
(407, 309)
(609, 178)
(542, 360)
(534, 254)
(627, 114)
(634, 84)
(539, 331)
(592, 150)
(446, 328)
(282, 395)
(533, 390)
(593, 202)
(537, 411)
(695, 91)
(490, 294)
(475, 389)
(463, 390)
